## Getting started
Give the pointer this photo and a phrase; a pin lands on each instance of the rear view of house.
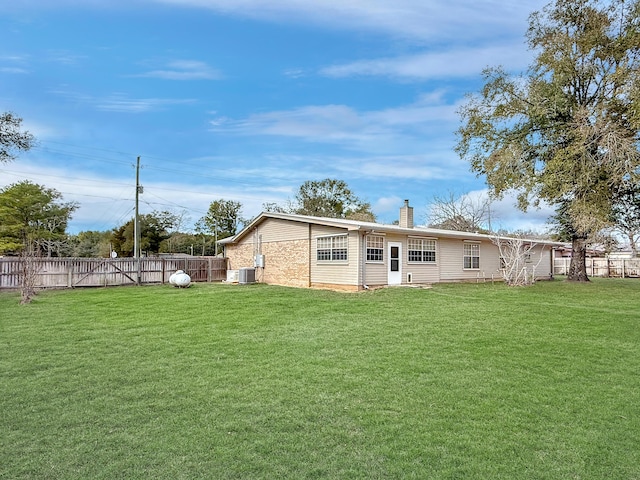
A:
(304, 251)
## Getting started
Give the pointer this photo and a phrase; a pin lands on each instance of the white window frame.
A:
(427, 246)
(469, 254)
(334, 247)
(374, 249)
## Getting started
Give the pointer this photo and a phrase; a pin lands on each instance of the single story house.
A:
(317, 252)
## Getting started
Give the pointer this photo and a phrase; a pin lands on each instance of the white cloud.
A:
(431, 21)
(15, 64)
(14, 70)
(39, 130)
(295, 73)
(434, 65)
(435, 20)
(119, 102)
(63, 57)
(388, 130)
(426, 166)
(506, 215)
(184, 70)
(107, 201)
(387, 204)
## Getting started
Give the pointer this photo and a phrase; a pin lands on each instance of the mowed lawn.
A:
(217, 381)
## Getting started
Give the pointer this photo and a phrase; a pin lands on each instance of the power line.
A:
(199, 174)
(48, 175)
(112, 157)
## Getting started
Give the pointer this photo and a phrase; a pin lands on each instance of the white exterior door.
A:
(394, 254)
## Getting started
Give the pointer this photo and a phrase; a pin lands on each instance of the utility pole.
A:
(136, 223)
(215, 242)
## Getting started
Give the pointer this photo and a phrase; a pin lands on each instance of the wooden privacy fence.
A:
(102, 272)
(602, 267)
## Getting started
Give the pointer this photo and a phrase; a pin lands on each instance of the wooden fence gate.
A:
(101, 272)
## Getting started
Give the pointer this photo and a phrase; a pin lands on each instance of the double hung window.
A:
(375, 248)
(472, 255)
(421, 250)
(332, 249)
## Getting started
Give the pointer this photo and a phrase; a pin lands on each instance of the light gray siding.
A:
(452, 267)
(335, 273)
(452, 261)
(376, 273)
(421, 272)
(541, 261)
(272, 230)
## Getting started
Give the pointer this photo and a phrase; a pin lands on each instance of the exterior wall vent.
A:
(246, 275)
(409, 277)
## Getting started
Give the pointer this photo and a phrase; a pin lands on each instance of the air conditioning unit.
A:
(246, 275)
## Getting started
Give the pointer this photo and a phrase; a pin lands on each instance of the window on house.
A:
(421, 250)
(332, 248)
(471, 255)
(375, 248)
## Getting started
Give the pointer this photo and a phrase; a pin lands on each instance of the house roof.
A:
(369, 227)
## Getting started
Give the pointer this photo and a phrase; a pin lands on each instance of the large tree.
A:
(626, 215)
(154, 229)
(566, 131)
(91, 244)
(31, 217)
(222, 219)
(326, 198)
(12, 138)
(464, 213)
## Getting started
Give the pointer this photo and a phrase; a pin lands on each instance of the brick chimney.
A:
(406, 215)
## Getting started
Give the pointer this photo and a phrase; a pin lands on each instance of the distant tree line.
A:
(34, 218)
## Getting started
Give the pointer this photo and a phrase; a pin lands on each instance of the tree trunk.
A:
(578, 265)
(632, 243)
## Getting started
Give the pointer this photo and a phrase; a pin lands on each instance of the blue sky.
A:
(246, 99)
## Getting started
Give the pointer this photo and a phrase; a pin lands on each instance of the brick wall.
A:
(239, 256)
(286, 263)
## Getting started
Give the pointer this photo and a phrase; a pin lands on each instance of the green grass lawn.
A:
(247, 382)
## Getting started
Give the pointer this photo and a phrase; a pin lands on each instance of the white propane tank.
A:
(182, 280)
(172, 278)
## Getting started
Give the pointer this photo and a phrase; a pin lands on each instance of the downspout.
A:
(309, 259)
(363, 254)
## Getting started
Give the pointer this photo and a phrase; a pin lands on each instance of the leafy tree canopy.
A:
(154, 228)
(31, 213)
(626, 214)
(222, 218)
(12, 139)
(91, 244)
(326, 198)
(566, 131)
